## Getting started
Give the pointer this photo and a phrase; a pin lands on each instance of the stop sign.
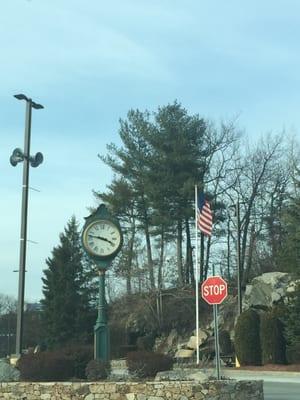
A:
(214, 290)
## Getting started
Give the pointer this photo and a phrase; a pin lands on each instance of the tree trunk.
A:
(228, 249)
(161, 260)
(149, 257)
(130, 258)
(179, 254)
(250, 256)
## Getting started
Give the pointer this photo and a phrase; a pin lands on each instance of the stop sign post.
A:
(214, 291)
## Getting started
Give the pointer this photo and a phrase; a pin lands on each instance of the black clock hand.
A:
(101, 238)
(106, 240)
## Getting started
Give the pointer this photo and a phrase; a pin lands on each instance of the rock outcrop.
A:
(8, 373)
(268, 289)
(263, 292)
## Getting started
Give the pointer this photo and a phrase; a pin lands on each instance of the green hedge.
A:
(272, 339)
(226, 345)
(247, 339)
(293, 353)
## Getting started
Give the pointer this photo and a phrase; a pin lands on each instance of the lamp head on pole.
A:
(21, 97)
(36, 105)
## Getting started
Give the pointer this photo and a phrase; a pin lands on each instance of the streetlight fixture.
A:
(24, 156)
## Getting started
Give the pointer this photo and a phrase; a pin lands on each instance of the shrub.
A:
(81, 355)
(292, 327)
(272, 339)
(225, 342)
(118, 338)
(96, 370)
(145, 364)
(246, 338)
(145, 343)
(45, 366)
(293, 353)
(127, 348)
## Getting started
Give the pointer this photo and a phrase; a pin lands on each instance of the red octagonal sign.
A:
(214, 290)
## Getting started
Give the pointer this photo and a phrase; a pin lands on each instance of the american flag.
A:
(204, 215)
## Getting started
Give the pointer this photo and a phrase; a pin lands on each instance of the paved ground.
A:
(278, 385)
(270, 376)
(281, 390)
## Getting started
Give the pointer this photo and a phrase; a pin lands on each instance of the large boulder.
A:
(268, 289)
(8, 372)
(182, 374)
(184, 353)
(202, 336)
(171, 343)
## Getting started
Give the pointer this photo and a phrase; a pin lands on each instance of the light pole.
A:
(238, 254)
(18, 156)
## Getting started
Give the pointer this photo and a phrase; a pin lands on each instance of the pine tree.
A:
(292, 328)
(289, 258)
(66, 309)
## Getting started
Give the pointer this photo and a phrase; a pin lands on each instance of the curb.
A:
(287, 374)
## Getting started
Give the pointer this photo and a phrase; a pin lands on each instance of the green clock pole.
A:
(101, 329)
(102, 239)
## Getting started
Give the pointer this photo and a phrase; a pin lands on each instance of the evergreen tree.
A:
(162, 156)
(66, 310)
(122, 202)
(292, 328)
(289, 260)
(131, 162)
(289, 257)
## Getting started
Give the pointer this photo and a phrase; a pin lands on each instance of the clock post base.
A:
(102, 343)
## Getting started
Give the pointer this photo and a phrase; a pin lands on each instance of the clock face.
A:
(102, 238)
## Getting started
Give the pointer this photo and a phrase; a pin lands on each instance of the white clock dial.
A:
(102, 238)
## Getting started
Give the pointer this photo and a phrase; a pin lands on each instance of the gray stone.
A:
(182, 374)
(267, 289)
(184, 353)
(45, 396)
(169, 343)
(130, 396)
(211, 390)
(192, 343)
(140, 396)
(8, 373)
(155, 398)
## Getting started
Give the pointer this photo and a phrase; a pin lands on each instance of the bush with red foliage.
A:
(144, 364)
(45, 366)
(97, 370)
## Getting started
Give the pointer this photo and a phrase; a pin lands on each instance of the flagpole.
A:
(197, 276)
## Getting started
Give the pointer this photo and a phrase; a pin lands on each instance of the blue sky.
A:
(88, 63)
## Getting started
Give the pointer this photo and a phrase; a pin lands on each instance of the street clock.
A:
(102, 237)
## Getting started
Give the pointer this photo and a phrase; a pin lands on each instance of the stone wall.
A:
(172, 390)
